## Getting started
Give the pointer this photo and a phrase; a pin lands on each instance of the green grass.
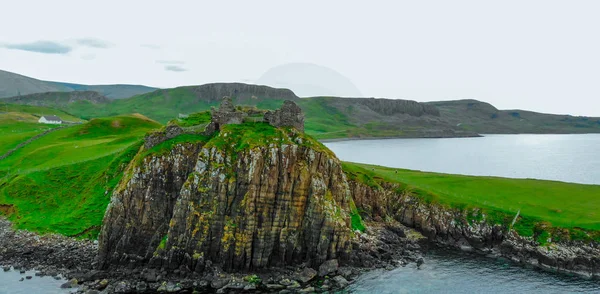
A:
(19, 123)
(562, 205)
(194, 119)
(62, 182)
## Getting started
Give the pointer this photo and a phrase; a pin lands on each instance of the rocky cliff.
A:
(240, 92)
(470, 229)
(248, 197)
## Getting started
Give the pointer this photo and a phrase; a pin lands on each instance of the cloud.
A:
(46, 47)
(170, 62)
(150, 46)
(94, 43)
(175, 68)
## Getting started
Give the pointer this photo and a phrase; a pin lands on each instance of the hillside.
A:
(62, 181)
(328, 117)
(12, 84)
(60, 100)
(20, 122)
(484, 118)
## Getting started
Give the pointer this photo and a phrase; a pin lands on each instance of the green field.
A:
(19, 123)
(563, 205)
(62, 182)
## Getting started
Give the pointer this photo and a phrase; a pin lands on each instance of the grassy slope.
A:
(330, 117)
(12, 84)
(322, 120)
(19, 123)
(62, 182)
(563, 205)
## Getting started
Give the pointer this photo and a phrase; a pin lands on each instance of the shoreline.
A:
(482, 135)
(391, 138)
(73, 263)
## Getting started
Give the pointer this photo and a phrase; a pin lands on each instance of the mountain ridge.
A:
(332, 117)
(13, 84)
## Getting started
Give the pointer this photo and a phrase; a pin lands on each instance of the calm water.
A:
(10, 284)
(453, 272)
(568, 158)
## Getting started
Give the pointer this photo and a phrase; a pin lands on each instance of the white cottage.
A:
(50, 119)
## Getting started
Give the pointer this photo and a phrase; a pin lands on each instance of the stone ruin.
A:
(289, 115)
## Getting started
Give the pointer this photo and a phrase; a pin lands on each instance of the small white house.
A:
(50, 119)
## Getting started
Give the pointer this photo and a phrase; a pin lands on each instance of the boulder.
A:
(328, 267)
(306, 275)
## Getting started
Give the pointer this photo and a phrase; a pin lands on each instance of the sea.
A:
(567, 158)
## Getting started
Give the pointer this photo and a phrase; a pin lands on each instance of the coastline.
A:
(333, 140)
(390, 138)
(74, 263)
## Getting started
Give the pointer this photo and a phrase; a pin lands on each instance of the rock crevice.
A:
(265, 206)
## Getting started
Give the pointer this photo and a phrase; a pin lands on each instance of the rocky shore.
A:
(470, 230)
(74, 261)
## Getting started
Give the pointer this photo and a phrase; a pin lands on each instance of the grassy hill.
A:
(62, 181)
(12, 84)
(20, 122)
(541, 203)
(327, 117)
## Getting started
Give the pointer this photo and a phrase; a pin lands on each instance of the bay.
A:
(567, 158)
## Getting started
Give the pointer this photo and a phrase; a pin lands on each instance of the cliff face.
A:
(472, 229)
(241, 92)
(220, 200)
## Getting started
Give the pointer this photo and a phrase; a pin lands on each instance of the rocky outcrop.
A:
(472, 230)
(240, 92)
(155, 138)
(210, 203)
(290, 115)
(388, 107)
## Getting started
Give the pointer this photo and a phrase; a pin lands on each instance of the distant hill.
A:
(484, 118)
(327, 117)
(12, 84)
(61, 100)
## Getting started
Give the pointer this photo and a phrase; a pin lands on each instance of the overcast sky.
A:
(538, 55)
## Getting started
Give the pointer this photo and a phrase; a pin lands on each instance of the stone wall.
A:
(289, 115)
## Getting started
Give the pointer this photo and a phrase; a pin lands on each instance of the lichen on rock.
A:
(248, 198)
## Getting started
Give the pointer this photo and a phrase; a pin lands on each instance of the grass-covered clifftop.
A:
(569, 211)
(62, 181)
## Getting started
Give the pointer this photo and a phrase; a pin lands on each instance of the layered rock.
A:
(472, 230)
(241, 92)
(277, 203)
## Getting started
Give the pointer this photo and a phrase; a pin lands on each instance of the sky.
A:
(534, 55)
